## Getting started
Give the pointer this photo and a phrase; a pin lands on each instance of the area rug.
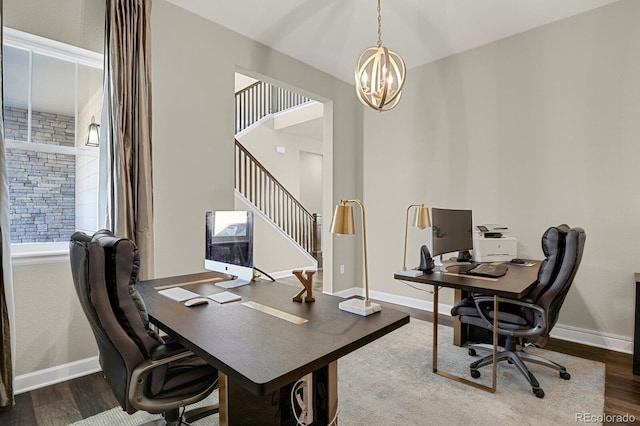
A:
(389, 382)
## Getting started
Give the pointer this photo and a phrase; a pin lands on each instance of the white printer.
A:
(490, 244)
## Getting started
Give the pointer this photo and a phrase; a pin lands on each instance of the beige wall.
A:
(194, 62)
(76, 22)
(531, 131)
(51, 328)
(534, 130)
(193, 130)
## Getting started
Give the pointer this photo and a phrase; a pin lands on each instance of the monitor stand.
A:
(233, 283)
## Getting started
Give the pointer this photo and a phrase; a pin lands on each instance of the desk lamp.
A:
(420, 221)
(342, 223)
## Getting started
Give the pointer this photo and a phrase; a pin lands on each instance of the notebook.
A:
(178, 293)
(224, 297)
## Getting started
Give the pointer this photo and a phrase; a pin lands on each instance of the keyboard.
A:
(487, 270)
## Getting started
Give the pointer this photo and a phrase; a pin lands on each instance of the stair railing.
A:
(260, 99)
(262, 189)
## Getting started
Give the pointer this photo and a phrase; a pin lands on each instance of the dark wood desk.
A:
(258, 354)
(514, 285)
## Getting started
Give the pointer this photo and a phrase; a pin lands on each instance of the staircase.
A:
(257, 184)
(261, 99)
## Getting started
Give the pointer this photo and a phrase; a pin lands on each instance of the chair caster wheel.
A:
(538, 392)
(565, 375)
(472, 352)
(475, 374)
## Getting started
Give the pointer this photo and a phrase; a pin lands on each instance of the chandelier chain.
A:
(379, 26)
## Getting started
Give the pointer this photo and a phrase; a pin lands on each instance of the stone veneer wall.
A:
(41, 184)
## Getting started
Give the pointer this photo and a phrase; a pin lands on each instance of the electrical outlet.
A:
(342, 269)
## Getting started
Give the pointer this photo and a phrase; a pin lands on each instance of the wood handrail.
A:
(261, 188)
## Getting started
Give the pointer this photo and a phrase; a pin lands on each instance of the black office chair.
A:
(145, 371)
(531, 319)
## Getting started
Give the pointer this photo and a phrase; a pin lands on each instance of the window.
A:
(52, 93)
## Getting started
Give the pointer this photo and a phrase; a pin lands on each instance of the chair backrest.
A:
(552, 299)
(553, 243)
(563, 248)
(105, 269)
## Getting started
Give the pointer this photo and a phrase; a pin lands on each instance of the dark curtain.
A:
(6, 280)
(126, 130)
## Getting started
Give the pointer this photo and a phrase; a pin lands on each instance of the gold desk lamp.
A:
(343, 223)
(420, 221)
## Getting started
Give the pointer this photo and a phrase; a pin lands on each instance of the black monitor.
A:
(229, 245)
(452, 230)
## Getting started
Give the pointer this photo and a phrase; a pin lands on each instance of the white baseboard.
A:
(288, 273)
(61, 373)
(592, 338)
(53, 375)
(561, 332)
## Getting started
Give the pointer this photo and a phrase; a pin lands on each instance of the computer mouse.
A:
(517, 261)
(195, 302)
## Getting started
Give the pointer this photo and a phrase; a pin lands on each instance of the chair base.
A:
(173, 418)
(516, 355)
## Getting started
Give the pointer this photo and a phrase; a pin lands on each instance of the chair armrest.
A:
(166, 350)
(540, 316)
(138, 384)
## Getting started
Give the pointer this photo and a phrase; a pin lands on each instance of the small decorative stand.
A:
(306, 282)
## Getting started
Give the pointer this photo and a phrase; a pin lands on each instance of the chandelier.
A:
(380, 75)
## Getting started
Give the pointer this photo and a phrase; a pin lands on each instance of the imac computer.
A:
(452, 231)
(229, 246)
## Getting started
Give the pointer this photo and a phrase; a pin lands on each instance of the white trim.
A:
(410, 302)
(248, 129)
(288, 273)
(52, 48)
(562, 332)
(592, 338)
(49, 148)
(37, 253)
(51, 376)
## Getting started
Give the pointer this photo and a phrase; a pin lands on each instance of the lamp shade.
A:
(421, 219)
(343, 222)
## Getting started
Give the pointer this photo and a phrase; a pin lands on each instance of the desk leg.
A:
(491, 389)
(332, 370)
(459, 330)
(434, 359)
(495, 343)
(239, 407)
(223, 399)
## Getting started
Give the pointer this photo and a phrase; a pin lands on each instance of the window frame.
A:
(48, 252)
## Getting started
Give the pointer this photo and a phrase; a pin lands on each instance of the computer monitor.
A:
(452, 230)
(229, 246)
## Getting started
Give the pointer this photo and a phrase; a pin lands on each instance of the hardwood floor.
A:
(60, 404)
(77, 399)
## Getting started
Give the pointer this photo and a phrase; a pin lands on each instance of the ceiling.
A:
(330, 34)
